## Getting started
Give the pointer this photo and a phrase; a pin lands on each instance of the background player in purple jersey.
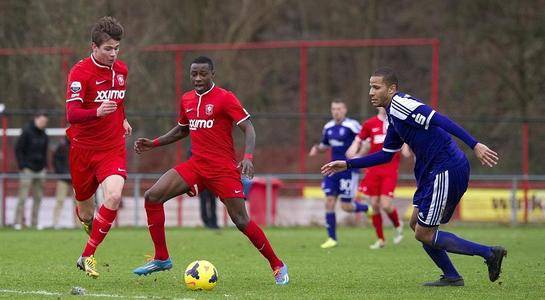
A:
(441, 171)
(338, 135)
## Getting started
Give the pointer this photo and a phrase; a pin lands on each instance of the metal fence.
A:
(296, 200)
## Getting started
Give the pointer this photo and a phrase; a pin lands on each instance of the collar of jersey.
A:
(211, 88)
(387, 108)
(99, 64)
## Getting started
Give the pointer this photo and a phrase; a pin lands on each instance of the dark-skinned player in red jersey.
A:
(207, 114)
(98, 127)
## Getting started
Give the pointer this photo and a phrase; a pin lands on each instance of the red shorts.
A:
(225, 183)
(89, 168)
(378, 183)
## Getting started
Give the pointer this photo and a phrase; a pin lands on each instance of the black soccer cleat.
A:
(445, 281)
(494, 262)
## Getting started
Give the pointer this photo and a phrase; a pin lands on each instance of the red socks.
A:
(377, 223)
(156, 227)
(394, 217)
(260, 241)
(101, 225)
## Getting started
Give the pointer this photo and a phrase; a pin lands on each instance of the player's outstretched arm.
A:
(333, 167)
(246, 165)
(178, 132)
(486, 155)
(370, 160)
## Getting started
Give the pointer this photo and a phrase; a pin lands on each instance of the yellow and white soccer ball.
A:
(200, 275)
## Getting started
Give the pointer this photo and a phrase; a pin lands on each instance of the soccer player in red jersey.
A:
(207, 115)
(379, 181)
(98, 126)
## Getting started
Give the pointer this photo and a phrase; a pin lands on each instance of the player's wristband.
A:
(156, 142)
(249, 156)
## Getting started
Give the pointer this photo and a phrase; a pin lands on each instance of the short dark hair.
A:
(388, 75)
(40, 113)
(204, 60)
(338, 100)
(106, 28)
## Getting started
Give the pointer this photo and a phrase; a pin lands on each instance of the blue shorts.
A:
(342, 184)
(437, 197)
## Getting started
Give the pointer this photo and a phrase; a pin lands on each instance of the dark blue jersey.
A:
(340, 136)
(411, 122)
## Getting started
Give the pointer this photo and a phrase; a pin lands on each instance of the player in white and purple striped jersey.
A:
(441, 171)
(337, 135)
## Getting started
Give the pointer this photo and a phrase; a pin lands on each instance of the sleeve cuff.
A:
(243, 119)
(428, 120)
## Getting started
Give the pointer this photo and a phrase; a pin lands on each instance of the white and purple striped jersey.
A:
(340, 136)
(433, 147)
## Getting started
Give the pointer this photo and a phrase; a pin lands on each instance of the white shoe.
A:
(379, 244)
(398, 233)
(17, 226)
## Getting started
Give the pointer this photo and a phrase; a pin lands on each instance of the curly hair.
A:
(106, 28)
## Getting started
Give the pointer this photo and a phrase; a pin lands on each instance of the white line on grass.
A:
(46, 293)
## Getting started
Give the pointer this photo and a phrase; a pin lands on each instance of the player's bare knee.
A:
(330, 204)
(347, 206)
(241, 221)
(86, 215)
(152, 196)
(388, 209)
(424, 235)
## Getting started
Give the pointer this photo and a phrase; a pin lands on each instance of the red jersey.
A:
(374, 130)
(93, 83)
(210, 117)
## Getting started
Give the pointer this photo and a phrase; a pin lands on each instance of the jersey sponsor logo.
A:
(418, 118)
(209, 109)
(379, 138)
(98, 82)
(188, 110)
(375, 129)
(197, 124)
(341, 131)
(120, 79)
(75, 86)
(336, 143)
(108, 95)
(74, 95)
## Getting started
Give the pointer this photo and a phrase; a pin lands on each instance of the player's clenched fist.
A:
(143, 145)
(333, 167)
(106, 108)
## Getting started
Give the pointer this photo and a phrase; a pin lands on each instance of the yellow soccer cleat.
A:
(370, 211)
(88, 265)
(330, 243)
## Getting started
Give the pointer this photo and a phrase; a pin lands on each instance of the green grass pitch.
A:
(41, 264)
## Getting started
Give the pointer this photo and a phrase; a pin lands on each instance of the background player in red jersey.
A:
(379, 182)
(94, 108)
(207, 115)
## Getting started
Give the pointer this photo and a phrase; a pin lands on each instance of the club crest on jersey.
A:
(209, 109)
(120, 79)
(75, 86)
